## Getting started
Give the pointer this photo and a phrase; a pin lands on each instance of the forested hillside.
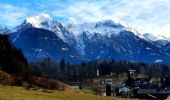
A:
(12, 59)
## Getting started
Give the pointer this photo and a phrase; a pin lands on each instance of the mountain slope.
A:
(110, 40)
(40, 43)
(41, 36)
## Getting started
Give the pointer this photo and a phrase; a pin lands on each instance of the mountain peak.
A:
(109, 23)
(154, 37)
(40, 20)
(149, 36)
(43, 21)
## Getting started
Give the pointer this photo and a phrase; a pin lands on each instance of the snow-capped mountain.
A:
(152, 37)
(40, 37)
(158, 39)
(40, 21)
(43, 21)
(102, 28)
(87, 41)
(110, 40)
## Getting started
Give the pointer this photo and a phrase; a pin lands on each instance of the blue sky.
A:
(147, 16)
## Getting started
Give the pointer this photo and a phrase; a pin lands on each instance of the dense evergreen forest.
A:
(12, 59)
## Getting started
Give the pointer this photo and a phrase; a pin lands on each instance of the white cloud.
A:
(12, 15)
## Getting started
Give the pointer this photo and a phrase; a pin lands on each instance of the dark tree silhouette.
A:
(12, 59)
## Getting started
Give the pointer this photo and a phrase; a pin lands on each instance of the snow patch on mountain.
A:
(64, 49)
(158, 61)
(107, 27)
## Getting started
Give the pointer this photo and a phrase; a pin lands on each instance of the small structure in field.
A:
(107, 81)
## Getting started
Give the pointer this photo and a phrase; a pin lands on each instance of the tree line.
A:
(68, 72)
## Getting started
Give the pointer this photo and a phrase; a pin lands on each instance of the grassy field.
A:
(88, 90)
(19, 93)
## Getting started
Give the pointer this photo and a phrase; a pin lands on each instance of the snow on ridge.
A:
(106, 27)
(43, 21)
(37, 21)
(154, 37)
